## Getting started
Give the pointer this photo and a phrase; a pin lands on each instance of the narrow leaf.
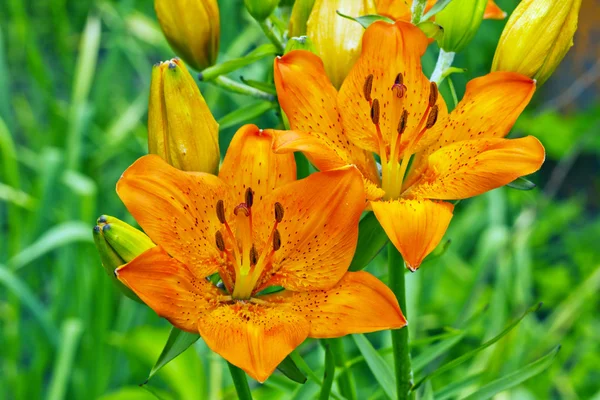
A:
(521, 184)
(328, 375)
(453, 389)
(264, 86)
(289, 368)
(380, 369)
(366, 20)
(515, 378)
(177, 343)
(266, 50)
(438, 6)
(245, 114)
(434, 351)
(371, 239)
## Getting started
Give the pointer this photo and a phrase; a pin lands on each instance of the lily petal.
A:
(254, 337)
(492, 11)
(170, 288)
(472, 167)
(309, 101)
(176, 210)
(394, 9)
(415, 227)
(258, 168)
(318, 232)
(359, 303)
(388, 50)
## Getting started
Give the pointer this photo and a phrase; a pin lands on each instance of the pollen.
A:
(278, 212)
(249, 197)
(375, 112)
(253, 255)
(368, 86)
(433, 94)
(219, 241)
(221, 211)
(276, 240)
(432, 118)
(403, 121)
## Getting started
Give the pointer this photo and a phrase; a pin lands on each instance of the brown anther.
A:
(278, 212)
(375, 112)
(403, 121)
(241, 207)
(432, 118)
(221, 211)
(433, 94)
(276, 240)
(249, 197)
(399, 79)
(368, 86)
(219, 241)
(253, 255)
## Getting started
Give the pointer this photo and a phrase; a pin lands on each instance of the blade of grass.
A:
(380, 369)
(63, 368)
(328, 374)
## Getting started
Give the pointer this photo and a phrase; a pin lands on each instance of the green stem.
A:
(267, 28)
(444, 61)
(400, 347)
(237, 87)
(453, 91)
(240, 381)
(417, 9)
(345, 379)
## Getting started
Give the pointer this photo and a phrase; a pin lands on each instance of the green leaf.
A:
(226, 67)
(289, 368)
(515, 378)
(371, 239)
(431, 29)
(177, 343)
(366, 20)
(245, 114)
(453, 389)
(380, 369)
(438, 6)
(521, 184)
(328, 375)
(469, 354)
(264, 86)
(434, 351)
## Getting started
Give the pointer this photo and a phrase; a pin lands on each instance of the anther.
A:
(278, 212)
(221, 211)
(253, 255)
(399, 79)
(276, 240)
(432, 118)
(368, 86)
(403, 121)
(433, 94)
(249, 197)
(375, 112)
(219, 241)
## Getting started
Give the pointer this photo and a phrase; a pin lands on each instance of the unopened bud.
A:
(461, 20)
(261, 9)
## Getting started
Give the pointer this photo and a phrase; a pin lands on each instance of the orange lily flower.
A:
(400, 10)
(257, 227)
(387, 106)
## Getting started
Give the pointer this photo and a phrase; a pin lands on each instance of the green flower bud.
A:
(460, 20)
(261, 9)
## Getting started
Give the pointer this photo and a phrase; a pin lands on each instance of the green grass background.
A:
(74, 79)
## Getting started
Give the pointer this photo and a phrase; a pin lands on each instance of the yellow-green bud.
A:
(118, 243)
(192, 29)
(537, 37)
(181, 128)
(261, 9)
(300, 13)
(460, 21)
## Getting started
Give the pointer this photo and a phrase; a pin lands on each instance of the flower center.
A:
(243, 255)
(396, 153)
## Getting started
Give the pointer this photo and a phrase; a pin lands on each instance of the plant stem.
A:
(345, 379)
(240, 381)
(444, 61)
(417, 9)
(399, 336)
(237, 87)
(267, 28)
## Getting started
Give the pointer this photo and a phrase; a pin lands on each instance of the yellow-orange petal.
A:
(359, 303)
(394, 9)
(492, 11)
(414, 226)
(471, 167)
(251, 163)
(176, 210)
(323, 154)
(309, 101)
(255, 338)
(318, 232)
(170, 288)
(388, 50)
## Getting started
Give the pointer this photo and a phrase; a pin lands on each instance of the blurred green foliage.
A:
(74, 79)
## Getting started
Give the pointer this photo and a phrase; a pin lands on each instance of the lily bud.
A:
(537, 37)
(299, 17)
(181, 128)
(118, 243)
(337, 39)
(261, 9)
(461, 20)
(192, 29)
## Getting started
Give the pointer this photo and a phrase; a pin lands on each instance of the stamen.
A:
(249, 197)
(276, 240)
(375, 112)
(253, 255)
(368, 86)
(278, 212)
(399, 79)
(219, 241)
(432, 118)
(403, 121)
(433, 94)
(221, 211)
